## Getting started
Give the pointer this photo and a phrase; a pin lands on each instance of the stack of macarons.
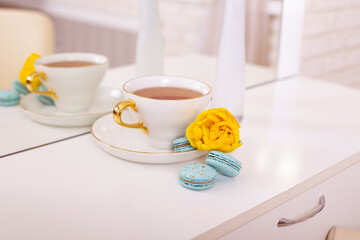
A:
(199, 176)
(10, 97)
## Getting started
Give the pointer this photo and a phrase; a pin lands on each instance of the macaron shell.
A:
(9, 97)
(20, 90)
(184, 142)
(9, 103)
(196, 187)
(197, 176)
(19, 87)
(180, 140)
(223, 163)
(221, 167)
(184, 149)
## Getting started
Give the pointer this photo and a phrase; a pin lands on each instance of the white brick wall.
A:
(313, 67)
(352, 38)
(181, 20)
(182, 24)
(331, 41)
(348, 77)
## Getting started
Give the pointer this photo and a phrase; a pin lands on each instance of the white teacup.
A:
(71, 78)
(163, 119)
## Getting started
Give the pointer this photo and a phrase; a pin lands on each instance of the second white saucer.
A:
(129, 143)
(104, 101)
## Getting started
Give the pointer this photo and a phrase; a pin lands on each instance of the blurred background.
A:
(330, 44)
(110, 27)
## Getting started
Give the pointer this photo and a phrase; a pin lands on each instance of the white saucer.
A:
(129, 144)
(104, 101)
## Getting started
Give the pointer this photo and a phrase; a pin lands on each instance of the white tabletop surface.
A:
(30, 134)
(292, 130)
(18, 132)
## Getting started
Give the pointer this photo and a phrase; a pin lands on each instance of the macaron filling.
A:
(194, 182)
(226, 162)
(19, 87)
(182, 145)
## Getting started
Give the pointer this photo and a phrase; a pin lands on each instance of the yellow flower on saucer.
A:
(29, 68)
(214, 129)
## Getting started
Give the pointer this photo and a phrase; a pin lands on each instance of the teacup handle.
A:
(120, 107)
(42, 76)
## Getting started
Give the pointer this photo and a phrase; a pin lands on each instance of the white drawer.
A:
(342, 208)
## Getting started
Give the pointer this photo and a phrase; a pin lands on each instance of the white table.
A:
(293, 130)
(30, 134)
(18, 133)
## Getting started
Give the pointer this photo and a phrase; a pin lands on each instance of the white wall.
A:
(331, 41)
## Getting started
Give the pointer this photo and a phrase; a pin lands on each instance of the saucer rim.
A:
(133, 151)
(70, 115)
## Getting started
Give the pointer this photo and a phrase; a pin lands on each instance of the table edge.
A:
(278, 200)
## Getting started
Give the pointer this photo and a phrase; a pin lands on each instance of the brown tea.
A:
(168, 93)
(69, 64)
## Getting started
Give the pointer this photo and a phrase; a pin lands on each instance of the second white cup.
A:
(71, 78)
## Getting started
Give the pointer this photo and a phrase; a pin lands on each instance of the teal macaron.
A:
(19, 87)
(182, 145)
(197, 176)
(223, 163)
(44, 99)
(9, 97)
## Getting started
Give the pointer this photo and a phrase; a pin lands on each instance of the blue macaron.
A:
(19, 87)
(223, 163)
(9, 97)
(44, 99)
(197, 176)
(182, 145)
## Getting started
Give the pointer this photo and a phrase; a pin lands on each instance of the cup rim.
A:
(42, 64)
(169, 76)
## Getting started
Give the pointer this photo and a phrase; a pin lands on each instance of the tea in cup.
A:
(71, 78)
(166, 106)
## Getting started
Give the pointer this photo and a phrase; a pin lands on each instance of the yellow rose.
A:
(214, 129)
(29, 68)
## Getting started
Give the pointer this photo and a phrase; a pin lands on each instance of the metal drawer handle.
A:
(283, 222)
